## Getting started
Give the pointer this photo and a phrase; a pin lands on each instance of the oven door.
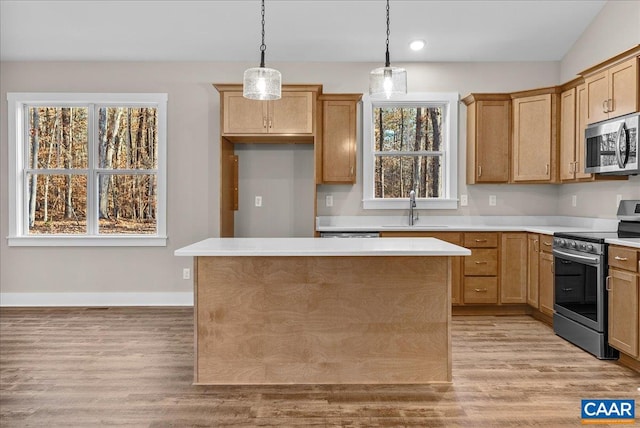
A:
(579, 288)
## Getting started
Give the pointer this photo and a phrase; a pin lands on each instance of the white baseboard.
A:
(95, 299)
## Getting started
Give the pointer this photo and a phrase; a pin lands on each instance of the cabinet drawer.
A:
(623, 258)
(481, 240)
(481, 290)
(482, 262)
(546, 242)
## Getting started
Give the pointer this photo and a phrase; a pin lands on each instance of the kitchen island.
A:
(322, 311)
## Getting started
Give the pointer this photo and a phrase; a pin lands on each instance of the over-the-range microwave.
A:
(612, 146)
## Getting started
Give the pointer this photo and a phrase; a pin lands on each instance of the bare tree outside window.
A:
(408, 151)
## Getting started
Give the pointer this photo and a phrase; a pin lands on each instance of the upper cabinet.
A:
(292, 118)
(535, 136)
(337, 148)
(292, 114)
(613, 87)
(568, 146)
(488, 137)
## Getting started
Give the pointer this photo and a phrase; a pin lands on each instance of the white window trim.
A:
(450, 127)
(16, 143)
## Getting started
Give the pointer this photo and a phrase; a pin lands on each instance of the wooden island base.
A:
(322, 320)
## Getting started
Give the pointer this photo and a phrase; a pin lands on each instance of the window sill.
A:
(403, 203)
(87, 241)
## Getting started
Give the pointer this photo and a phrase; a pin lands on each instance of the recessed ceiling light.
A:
(417, 45)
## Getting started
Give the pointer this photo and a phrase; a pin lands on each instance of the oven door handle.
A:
(576, 258)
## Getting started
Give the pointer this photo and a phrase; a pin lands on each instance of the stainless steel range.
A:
(580, 271)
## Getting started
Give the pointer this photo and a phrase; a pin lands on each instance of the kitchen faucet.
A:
(412, 205)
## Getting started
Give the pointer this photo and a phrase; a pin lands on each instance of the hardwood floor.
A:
(134, 367)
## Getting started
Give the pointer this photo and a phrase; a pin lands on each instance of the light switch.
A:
(258, 201)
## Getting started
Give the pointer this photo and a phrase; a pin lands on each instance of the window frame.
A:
(449, 102)
(18, 168)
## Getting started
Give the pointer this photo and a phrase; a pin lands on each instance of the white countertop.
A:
(243, 247)
(627, 242)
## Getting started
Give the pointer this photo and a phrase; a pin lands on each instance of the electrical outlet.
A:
(186, 273)
(258, 201)
(574, 200)
(464, 200)
(618, 199)
(492, 200)
(328, 200)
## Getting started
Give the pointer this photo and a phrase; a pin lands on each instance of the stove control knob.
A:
(574, 245)
(590, 248)
(583, 247)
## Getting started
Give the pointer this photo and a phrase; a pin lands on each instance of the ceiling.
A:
(298, 31)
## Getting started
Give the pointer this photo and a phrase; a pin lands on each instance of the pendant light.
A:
(387, 81)
(261, 83)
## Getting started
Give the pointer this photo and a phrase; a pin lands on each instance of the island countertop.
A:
(248, 247)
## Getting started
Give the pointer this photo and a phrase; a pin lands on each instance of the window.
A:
(87, 169)
(410, 143)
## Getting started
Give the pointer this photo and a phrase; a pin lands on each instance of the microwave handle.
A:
(619, 136)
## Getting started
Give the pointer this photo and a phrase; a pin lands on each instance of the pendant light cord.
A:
(263, 47)
(387, 62)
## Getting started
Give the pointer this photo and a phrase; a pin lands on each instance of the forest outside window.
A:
(87, 169)
(410, 143)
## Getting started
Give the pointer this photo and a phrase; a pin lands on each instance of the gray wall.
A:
(193, 160)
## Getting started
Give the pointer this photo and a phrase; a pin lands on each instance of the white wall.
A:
(193, 164)
(614, 30)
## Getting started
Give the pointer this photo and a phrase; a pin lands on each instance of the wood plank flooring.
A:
(133, 367)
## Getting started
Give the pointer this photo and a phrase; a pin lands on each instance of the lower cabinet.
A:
(533, 270)
(481, 268)
(623, 286)
(546, 283)
(513, 268)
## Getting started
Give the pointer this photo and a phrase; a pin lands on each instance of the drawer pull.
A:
(608, 283)
(481, 263)
(480, 290)
(548, 244)
(481, 240)
(622, 259)
(566, 290)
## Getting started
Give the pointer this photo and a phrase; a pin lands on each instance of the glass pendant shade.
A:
(387, 82)
(261, 83)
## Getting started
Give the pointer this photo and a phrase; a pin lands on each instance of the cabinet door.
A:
(623, 88)
(339, 142)
(597, 96)
(243, 116)
(513, 268)
(546, 283)
(532, 138)
(492, 141)
(533, 250)
(291, 114)
(623, 311)
(568, 134)
(581, 126)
